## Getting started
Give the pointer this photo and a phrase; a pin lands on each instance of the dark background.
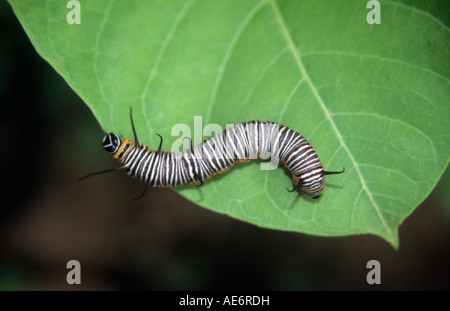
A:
(49, 138)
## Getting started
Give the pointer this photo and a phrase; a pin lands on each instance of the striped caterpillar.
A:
(240, 143)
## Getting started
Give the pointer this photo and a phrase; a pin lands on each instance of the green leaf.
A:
(370, 98)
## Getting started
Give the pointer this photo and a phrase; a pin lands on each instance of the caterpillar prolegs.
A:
(239, 143)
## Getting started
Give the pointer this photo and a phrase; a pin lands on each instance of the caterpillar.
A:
(239, 143)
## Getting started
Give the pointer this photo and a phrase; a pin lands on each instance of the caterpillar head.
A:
(312, 182)
(313, 188)
(111, 142)
(310, 187)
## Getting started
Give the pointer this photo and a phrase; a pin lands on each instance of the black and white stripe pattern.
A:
(242, 142)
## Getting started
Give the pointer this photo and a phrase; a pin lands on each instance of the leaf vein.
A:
(419, 11)
(301, 67)
(228, 54)
(96, 54)
(382, 58)
(262, 75)
(369, 114)
(179, 18)
(288, 100)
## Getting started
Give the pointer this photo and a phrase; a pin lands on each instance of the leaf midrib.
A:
(339, 136)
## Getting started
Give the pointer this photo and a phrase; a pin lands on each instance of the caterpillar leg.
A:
(158, 153)
(199, 179)
(150, 181)
(295, 187)
(296, 182)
